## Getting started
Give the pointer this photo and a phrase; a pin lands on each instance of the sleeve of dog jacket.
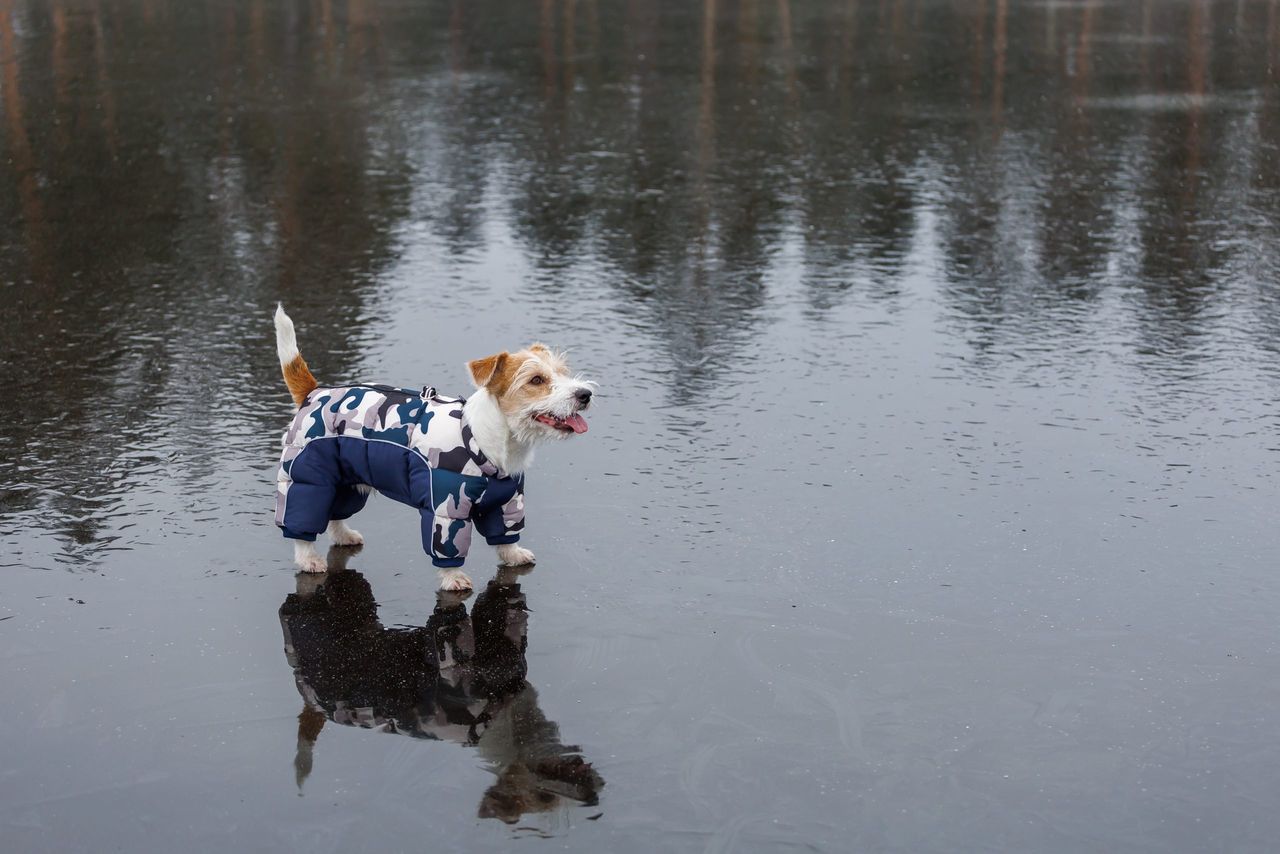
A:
(446, 539)
(502, 525)
(446, 521)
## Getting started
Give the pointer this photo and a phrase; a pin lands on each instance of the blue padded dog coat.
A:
(415, 447)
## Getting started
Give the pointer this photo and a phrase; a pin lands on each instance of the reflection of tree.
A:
(715, 130)
(166, 165)
(153, 210)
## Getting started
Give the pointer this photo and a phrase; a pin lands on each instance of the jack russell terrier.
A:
(460, 462)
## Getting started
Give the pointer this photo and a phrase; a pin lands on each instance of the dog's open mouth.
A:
(575, 423)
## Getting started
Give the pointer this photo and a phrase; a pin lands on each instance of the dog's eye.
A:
(537, 381)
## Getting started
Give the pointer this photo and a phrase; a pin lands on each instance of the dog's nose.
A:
(583, 395)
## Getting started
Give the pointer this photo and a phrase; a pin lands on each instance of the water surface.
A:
(928, 502)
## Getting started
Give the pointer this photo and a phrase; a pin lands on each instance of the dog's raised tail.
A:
(297, 376)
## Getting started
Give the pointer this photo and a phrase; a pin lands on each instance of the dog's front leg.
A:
(306, 558)
(454, 579)
(510, 554)
(342, 534)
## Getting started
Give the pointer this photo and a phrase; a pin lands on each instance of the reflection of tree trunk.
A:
(1197, 82)
(61, 75)
(547, 46)
(570, 48)
(979, 46)
(1078, 55)
(997, 83)
(593, 39)
(357, 28)
(226, 81)
(19, 145)
(1051, 28)
(456, 40)
(257, 40)
(848, 31)
(326, 25)
(1145, 51)
(104, 80)
(1084, 48)
(748, 29)
(788, 48)
(1273, 37)
(1273, 41)
(1267, 109)
(706, 118)
(363, 32)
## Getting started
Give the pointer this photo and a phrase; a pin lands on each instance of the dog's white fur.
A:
(307, 557)
(286, 337)
(507, 438)
(509, 451)
(340, 534)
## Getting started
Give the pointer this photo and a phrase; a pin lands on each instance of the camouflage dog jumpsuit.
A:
(415, 447)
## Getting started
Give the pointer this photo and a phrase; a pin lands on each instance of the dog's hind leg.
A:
(347, 501)
(307, 558)
(341, 534)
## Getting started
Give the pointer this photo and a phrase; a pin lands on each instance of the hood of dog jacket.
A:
(413, 446)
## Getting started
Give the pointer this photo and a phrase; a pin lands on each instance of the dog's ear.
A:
(484, 370)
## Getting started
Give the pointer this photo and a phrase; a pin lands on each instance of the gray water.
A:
(928, 502)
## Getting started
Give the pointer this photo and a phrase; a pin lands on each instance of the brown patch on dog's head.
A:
(516, 794)
(517, 380)
(544, 786)
(492, 372)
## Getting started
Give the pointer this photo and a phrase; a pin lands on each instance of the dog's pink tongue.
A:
(577, 422)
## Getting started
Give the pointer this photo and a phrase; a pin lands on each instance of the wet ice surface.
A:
(928, 502)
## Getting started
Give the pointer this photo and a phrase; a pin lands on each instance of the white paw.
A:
(341, 535)
(514, 555)
(454, 579)
(313, 563)
(348, 537)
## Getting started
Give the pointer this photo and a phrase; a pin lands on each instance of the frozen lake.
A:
(929, 501)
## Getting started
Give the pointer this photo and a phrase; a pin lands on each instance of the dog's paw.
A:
(312, 563)
(341, 535)
(348, 537)
(514, 555)
(454, 579)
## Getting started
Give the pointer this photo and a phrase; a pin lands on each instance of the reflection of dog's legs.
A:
(307, 583)
(339, 555)
(340, 534)
(310, 722)
(510, 574)
(307, 558)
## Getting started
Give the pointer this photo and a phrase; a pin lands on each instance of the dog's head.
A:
(547, 786)
(538, 395)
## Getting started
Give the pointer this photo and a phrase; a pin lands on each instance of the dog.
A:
(459, 678)
(459, 461)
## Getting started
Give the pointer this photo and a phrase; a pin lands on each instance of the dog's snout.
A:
(583, 396)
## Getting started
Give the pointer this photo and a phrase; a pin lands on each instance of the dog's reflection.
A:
(460, 678)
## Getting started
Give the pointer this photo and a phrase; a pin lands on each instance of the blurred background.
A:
(929, 498)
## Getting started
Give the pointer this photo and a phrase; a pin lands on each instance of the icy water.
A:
(929, 498)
